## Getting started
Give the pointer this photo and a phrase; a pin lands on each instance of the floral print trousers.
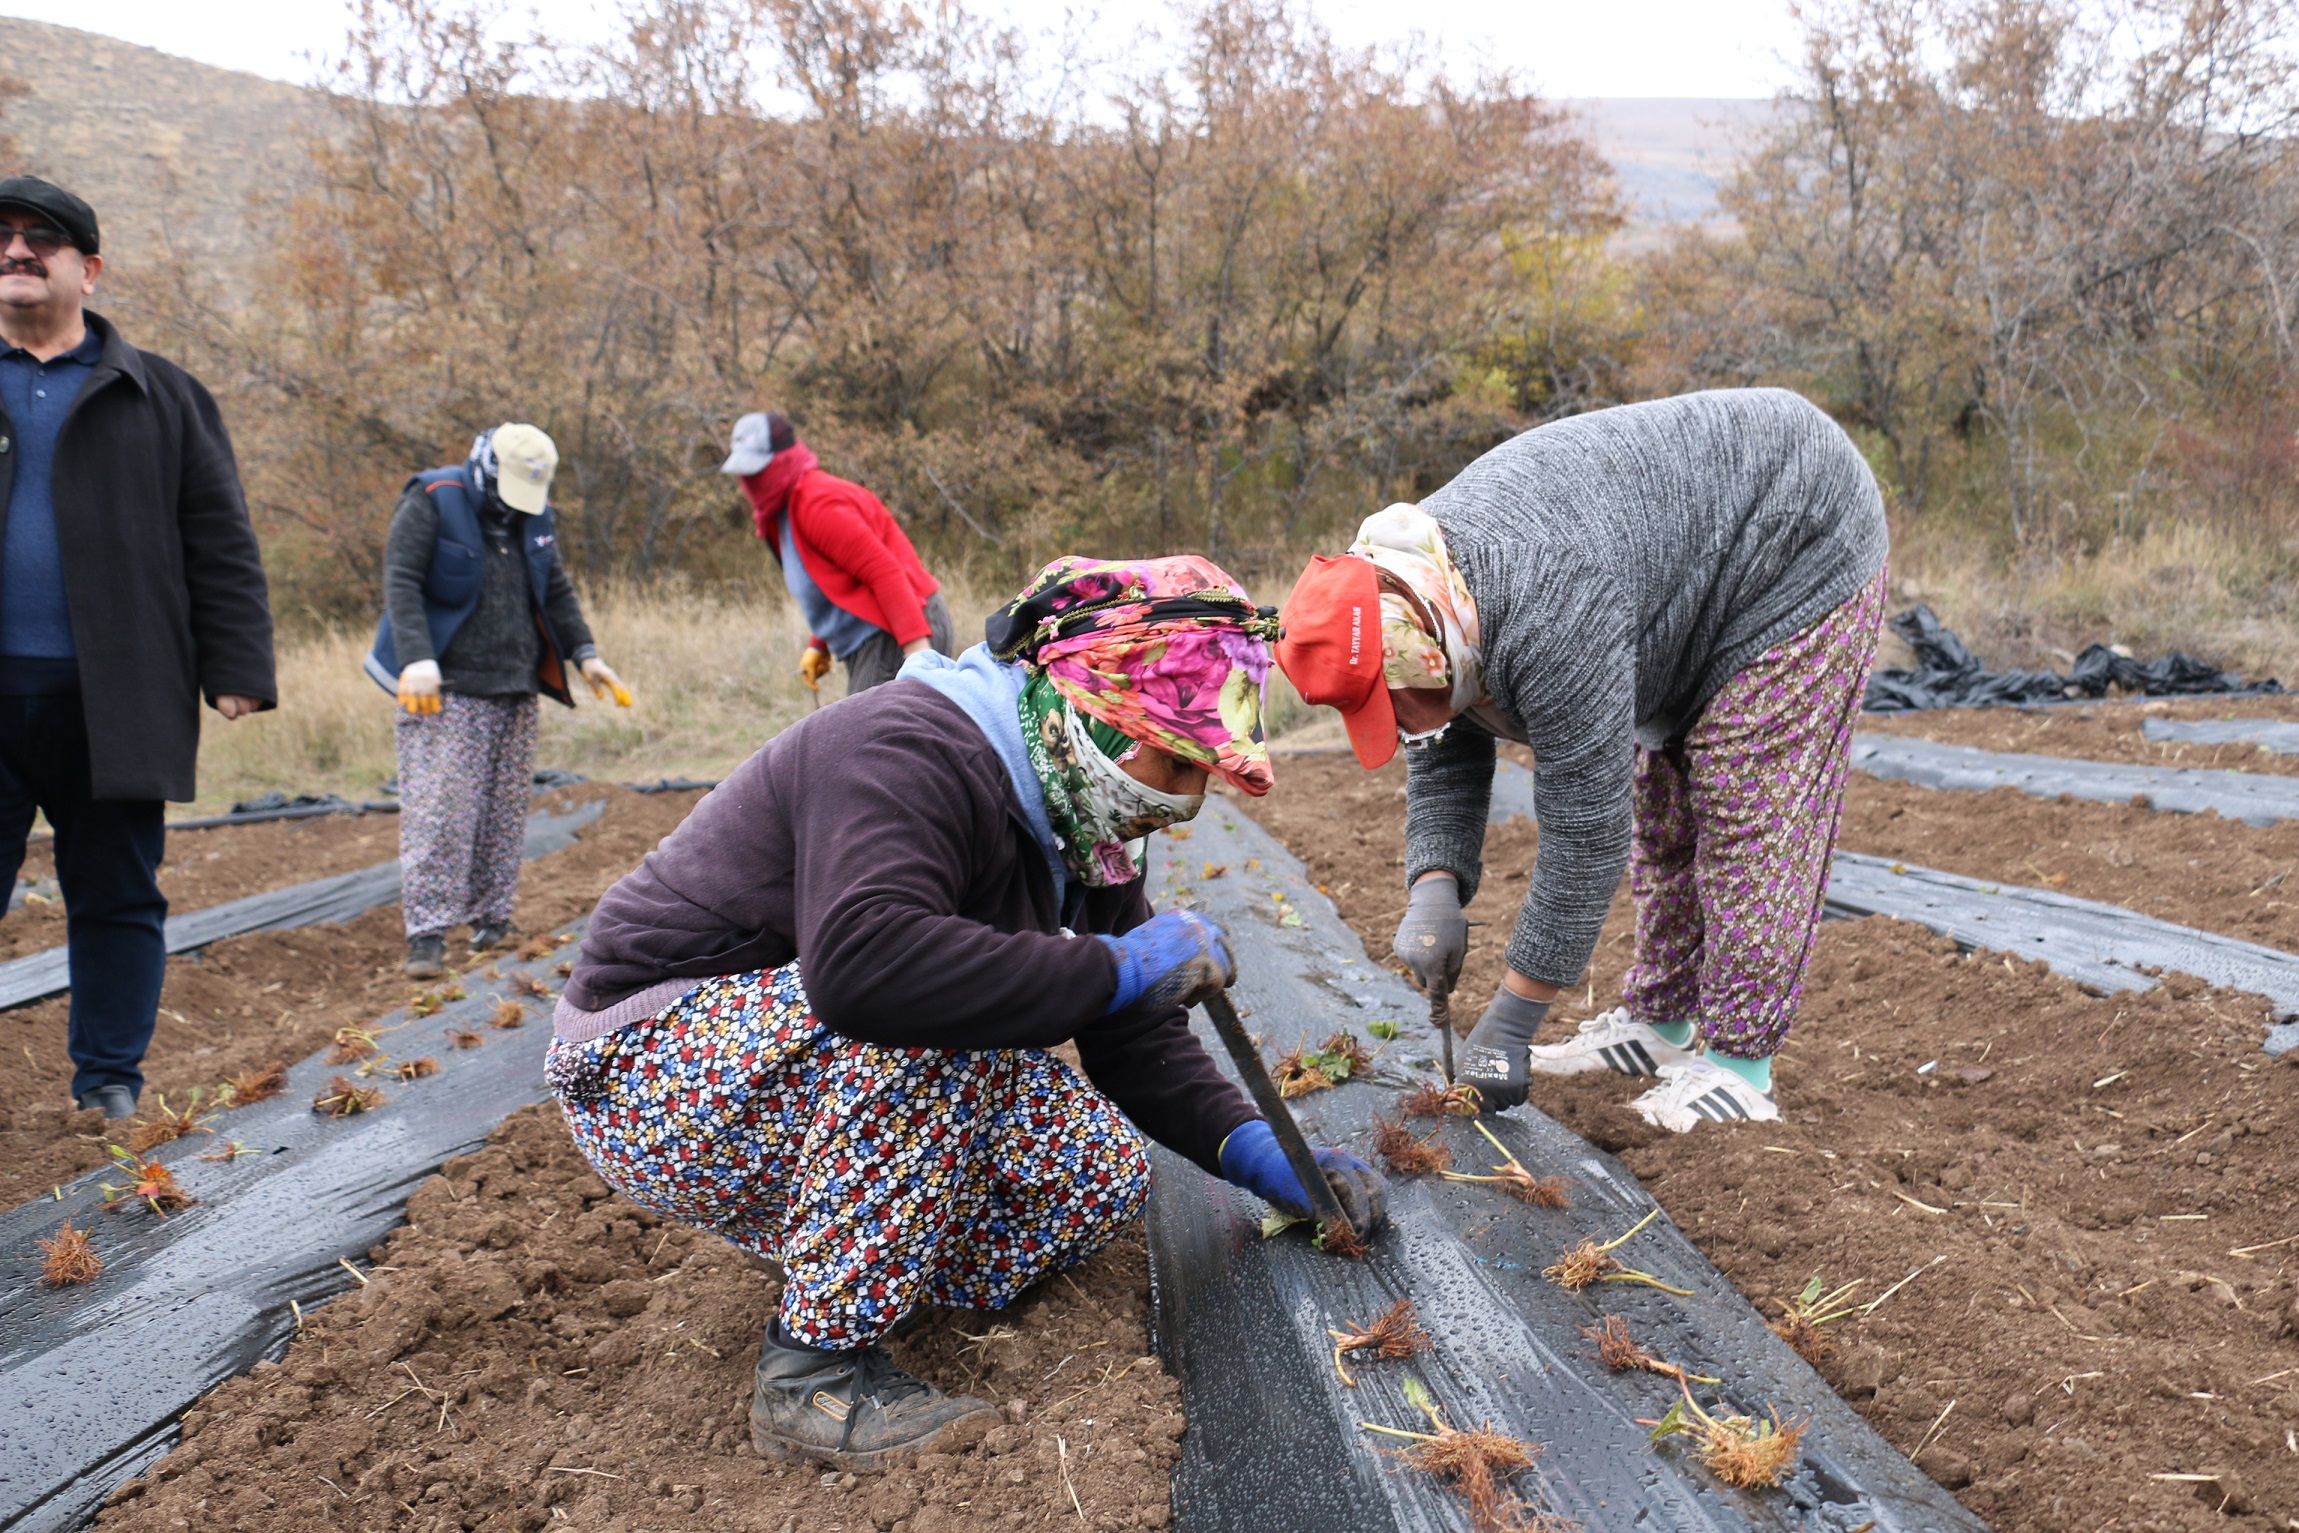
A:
(1735, 828)
(879, 1178)
(466, 774)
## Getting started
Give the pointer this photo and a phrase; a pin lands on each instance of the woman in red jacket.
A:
(867, 599)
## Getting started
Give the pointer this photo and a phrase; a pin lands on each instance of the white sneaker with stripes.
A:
(1701, 1092)
(1611, 1040)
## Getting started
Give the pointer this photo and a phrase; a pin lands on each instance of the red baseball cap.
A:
(1331, 651)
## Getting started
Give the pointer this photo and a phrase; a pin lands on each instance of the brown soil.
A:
(2106, 732)
(534, 1351)
(2195, 869)
(239, 1004)
(208, 867)
(2083, 1330)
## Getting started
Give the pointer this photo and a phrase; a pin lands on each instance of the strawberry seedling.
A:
(354, 1044)
(1620, 1351)
(1396, 1334)
(1512, 1178)
(1435, 1101)
(256, 1085)
(1476, 1464)
(463, 1038)
(507, 1013)
(1805, 1318)
(422, 1004)
(166, 1125)
(1588, 1263)
(1406, 1155)
(149, 1183)
(527, 984)
(341, 1098)
(416, 1069)
(1742, 1451)
(227, 1152)
(67, 1258)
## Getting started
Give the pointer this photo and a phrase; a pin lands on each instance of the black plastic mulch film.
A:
(1274, 1441)
(2256, 798)
(93, 1379)
(1949, 675)
(2104, 948)
(340, 898)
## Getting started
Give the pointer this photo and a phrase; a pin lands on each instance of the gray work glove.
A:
(1494, 1059)
(1434, 936)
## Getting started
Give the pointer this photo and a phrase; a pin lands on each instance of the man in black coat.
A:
(130, 585)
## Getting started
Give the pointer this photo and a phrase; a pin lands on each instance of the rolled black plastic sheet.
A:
(94, 1379)
(1274, 1442)
(1948, 675)
(341, 898)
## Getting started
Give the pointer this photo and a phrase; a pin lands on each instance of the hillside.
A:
(171, 153)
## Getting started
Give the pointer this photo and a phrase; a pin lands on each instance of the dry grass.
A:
(712, 671)
(2181, 586)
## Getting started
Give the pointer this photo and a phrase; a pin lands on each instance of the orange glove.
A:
(419, 688)
(603, 681)
(813, 665)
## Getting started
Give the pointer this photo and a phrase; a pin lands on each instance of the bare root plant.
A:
(1435, 1101)
(463, 1038)
(1745, 1452)
(1512, 1178)
(165, 1125)
(354, 1045)
(343, 1098)
(416, 1069)
(1406, 1155)
(1476, 1464)
(68, 1259)
(1396, 1334)
(527, 984)
(1621, 1352)
(1804, 1319)
(259, 1085)
(1588, 1263)
(507, 1013)
(149, 1183)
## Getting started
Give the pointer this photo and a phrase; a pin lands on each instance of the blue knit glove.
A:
(1174, 959)
(1252, 1158)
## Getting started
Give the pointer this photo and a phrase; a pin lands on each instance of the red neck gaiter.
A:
(769, 488)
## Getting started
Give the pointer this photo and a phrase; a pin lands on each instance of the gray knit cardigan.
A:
(1625, 565)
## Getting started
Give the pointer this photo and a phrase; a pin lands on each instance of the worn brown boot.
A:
(854, 1410)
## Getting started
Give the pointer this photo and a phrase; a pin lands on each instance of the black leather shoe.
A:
(426, 957)
(111, 1101)
(853, 1410)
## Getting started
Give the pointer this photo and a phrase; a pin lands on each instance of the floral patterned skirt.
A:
(879, 1178)
(1735, 829)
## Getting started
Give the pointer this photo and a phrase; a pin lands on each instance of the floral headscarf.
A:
(1170, 652)
(1163, 652)
(1407, 545)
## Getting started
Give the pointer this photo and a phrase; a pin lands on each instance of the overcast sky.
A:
(1564, 47)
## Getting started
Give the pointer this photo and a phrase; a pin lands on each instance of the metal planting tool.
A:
(1322, 1201)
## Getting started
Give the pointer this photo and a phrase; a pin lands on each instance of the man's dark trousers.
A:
(107, 851)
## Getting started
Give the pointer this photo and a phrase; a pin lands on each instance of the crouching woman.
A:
(814, 1020)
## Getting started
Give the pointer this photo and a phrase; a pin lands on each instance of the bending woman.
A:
(814, 1020)
(1675, 605)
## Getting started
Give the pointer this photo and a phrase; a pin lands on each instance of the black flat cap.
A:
(53, 203)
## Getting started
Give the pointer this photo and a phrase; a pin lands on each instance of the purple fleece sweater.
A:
(879, 841)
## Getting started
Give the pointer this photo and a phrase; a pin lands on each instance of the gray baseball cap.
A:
(757, 438)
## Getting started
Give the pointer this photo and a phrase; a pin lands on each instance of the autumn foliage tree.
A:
(1231, 299)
